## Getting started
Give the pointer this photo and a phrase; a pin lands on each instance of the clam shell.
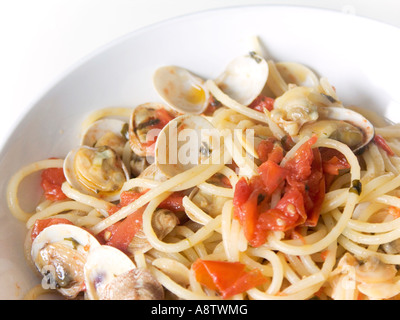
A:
(59, 252)
(103, 264)
(139, 116)
(99, 128)
(181, 90)
(71, 176)
(354, 118)
(244, 78)
(185, 142)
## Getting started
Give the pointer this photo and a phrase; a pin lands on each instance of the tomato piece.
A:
(41, 224)
(269, 150)
(381, 143)
(246, 204)
(126, 198)
(304, 191)
(333, 161)
(315, 190)
(51, 181)
(265, 148)
(394, 211)
(122, 232)
(229, 278)
(262, 102)
(173, 202)
(164, 117)
(288, 214)
(299, 165)
(242, 192)
(272, 175)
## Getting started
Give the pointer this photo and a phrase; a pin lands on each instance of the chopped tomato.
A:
(272, 175)
(288, 213)
(394, 211)
(304, 191)
(122, 232)
(270, 150)
(242, 192)
(228, 278)
(333, 161)
(314, 192)
(52, 179)
(173, 202)
(163, 118)
(299, 165)
(262, 102)
(246, 199)
(381, 143)
(265, 148)
(126, 198)
(41, 224)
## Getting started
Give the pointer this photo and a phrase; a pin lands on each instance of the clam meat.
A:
(145, 123)
(59, 253)
(106, 132)
(112, 275)
(96, 171)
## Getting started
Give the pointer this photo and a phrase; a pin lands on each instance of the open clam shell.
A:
(96, 171)
(344, 125)
(102, 266)
(297, 73)
(145, 123)
(181, 90)
(244, 78)
(60, 253)
(185, 142)
(106, 132)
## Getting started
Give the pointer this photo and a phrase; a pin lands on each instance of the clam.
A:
(293, 109)
(102, 265)
(244, 78)
(184, 143)
(112, 275)
(106, 132)
(145, 123)
(181, 90)
(341, 124)
(96, 171)
(297, 73)
(163, 222)
(60, 252)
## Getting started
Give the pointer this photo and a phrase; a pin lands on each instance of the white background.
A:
(43, 39)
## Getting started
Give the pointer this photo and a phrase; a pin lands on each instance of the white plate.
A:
(359, 57)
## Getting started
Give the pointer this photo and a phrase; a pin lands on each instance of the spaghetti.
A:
(296, 216)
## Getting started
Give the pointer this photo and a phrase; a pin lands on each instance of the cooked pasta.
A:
(296, 198)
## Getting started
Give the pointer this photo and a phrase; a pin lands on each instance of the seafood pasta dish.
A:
(258, 184)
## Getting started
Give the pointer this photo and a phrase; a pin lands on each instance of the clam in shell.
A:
(96, 171)
(112, 275)
(181, 90)
(184, 143)
(60, 252)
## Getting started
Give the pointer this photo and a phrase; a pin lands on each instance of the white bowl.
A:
(359, 57)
